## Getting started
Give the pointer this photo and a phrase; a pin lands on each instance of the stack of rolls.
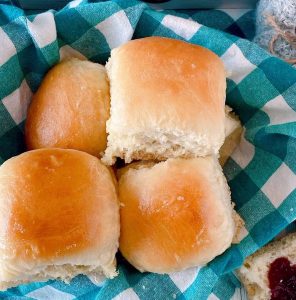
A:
(168, 113)
(64, 210)
(59, 207)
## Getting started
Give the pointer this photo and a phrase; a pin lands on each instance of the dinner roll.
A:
(175, 214)
(70, 108)
(59, 217)
(167, 100)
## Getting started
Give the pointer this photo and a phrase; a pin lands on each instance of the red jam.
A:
(282, 279)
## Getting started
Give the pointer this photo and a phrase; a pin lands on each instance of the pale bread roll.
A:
(175, 214)
(59, 217)
(167, 100)
(70, 108)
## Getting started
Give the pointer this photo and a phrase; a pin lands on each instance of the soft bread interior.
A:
(157, 145)
(254, 272)
(160, 144)
(65, 273)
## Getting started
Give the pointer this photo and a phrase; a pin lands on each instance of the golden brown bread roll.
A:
(70, 108)
(167, 100)
(175, 214)
(59, 217)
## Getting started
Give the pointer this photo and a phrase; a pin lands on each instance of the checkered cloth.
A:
(261, 89)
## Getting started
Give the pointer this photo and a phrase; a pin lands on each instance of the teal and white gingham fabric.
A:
(261, 89)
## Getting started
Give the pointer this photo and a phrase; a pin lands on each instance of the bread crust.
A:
(70, 108)
(162, 91)
(59, 216)
(175, 214)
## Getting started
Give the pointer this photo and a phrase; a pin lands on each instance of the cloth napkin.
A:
(261, 89)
